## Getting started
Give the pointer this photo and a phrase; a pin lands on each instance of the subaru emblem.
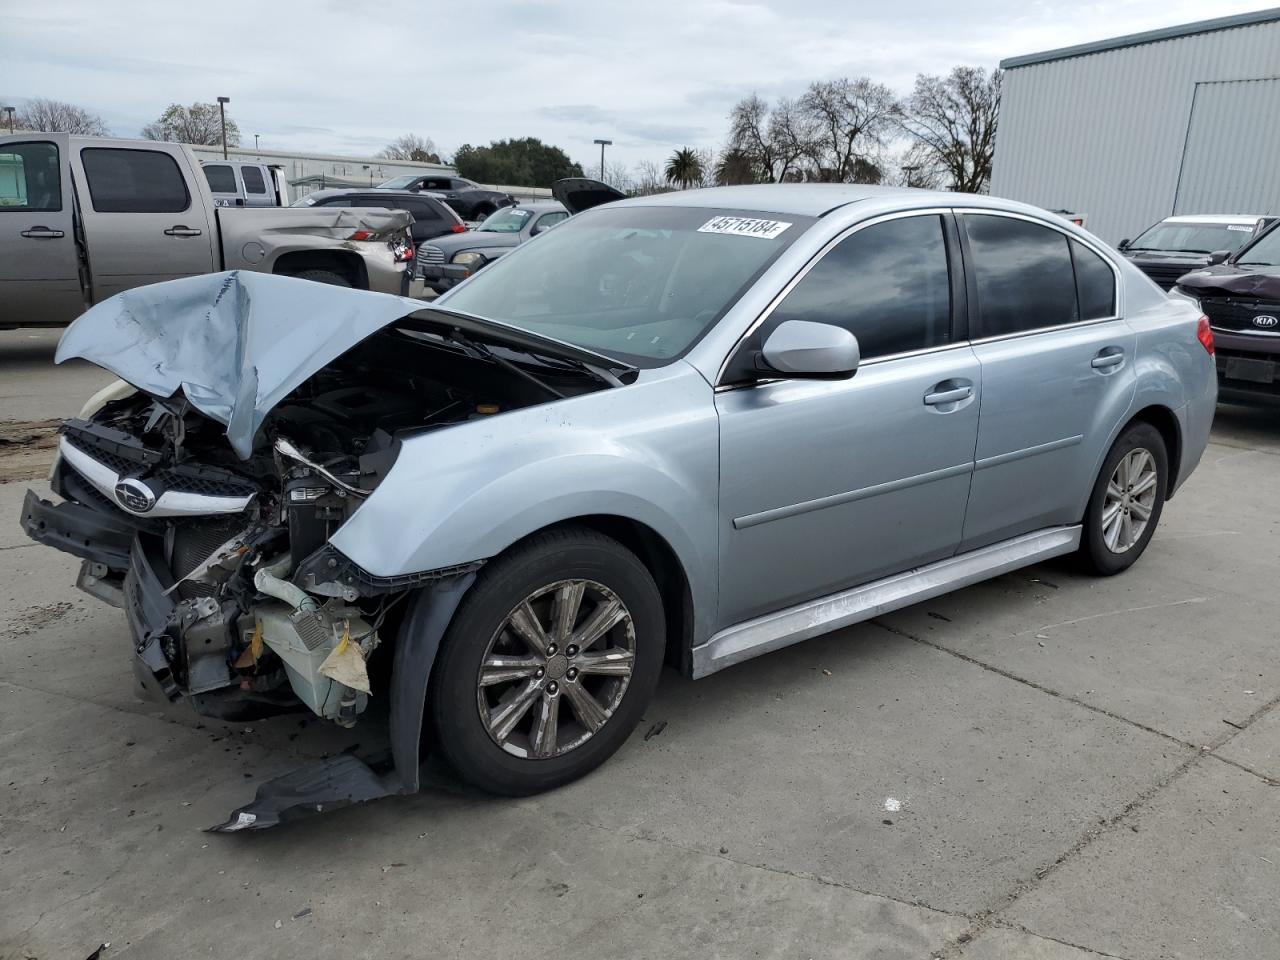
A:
(134, 495)
(1266, 321)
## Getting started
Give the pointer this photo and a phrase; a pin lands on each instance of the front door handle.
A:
(1107, 359)
(181, 230)
(43, 233)
(954, 395)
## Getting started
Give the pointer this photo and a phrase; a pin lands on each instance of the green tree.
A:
(199, 123)
(736, 166)
(684, 168)
(525, 162)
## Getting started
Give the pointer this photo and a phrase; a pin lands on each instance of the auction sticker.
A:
(744, 227)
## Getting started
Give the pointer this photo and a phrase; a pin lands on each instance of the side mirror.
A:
(1218, 256)
(804, 349)
(534, 231)
(1124, 244)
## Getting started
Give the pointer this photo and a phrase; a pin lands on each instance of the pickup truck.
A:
(83, 218)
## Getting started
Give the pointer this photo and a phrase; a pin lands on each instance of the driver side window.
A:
(888, 284)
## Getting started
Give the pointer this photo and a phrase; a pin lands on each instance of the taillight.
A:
(1205, 335)
(360, 235)
(459, 228)
(404, 254)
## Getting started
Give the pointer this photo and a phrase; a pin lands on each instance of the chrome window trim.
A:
(804, 272)
(1091, 244)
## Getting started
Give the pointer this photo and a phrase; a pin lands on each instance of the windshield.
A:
(506, 220)
(397, 183)
(1194, 237)
(640, 284)
(1264, 253)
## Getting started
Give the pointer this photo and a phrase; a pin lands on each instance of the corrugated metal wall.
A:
(1104, 134)
(1232, 156)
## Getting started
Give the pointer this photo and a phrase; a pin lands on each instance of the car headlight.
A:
(467, 258)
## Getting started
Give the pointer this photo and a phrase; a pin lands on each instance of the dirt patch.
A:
(27, 448)
(33, 618)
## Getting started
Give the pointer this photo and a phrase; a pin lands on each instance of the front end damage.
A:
(216, 544)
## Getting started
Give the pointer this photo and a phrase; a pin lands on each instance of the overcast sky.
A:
(651, 75)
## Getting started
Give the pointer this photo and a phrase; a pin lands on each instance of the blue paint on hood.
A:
(235, 344)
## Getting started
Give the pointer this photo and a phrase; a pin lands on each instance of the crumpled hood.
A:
(235, 344)
(1260, 282)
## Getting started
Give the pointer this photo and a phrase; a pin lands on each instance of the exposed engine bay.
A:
(222, 563)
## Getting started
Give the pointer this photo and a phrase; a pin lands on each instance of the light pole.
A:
(603, 144)
(222, 114)
(910, 170)
(9, 111)
(255, 143)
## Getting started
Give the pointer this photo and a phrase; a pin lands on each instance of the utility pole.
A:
(603, 144)
(222, 113)
(9, 111)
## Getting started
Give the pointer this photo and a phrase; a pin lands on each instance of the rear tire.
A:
(525, 695)
(1127, 500)
(323, 276)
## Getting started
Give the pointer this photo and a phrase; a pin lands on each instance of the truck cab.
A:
(245, 183)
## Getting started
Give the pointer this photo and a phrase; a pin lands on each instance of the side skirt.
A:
(773, 631)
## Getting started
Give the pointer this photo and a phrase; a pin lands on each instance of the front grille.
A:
(1165, 276)
(204, 486)
(430, 253)
(119, 463)
(1234, 313)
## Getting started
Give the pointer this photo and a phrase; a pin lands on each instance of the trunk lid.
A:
(582, 193)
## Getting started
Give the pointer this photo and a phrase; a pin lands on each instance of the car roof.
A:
(1240, 218)
(798, 199)
(541, 206)
(352, 191)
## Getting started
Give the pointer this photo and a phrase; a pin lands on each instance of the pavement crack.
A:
(1040, 687)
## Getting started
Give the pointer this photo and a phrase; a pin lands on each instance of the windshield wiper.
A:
(482, 350)
(1189, 250)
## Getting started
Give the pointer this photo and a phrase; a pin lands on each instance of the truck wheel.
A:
(323, 276)
(548, 664)
(1127, 499)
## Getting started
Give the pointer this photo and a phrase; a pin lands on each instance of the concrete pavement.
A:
(1043, 766)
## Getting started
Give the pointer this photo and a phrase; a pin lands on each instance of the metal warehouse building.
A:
(1131, 130)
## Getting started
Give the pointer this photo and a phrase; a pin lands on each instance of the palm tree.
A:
(734, 167)
(684, 168)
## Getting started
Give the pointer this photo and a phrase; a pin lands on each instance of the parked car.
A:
(445, 262)
(1241, 298)
(243, 183)
(1176, 245)
(470, 200)
(83, 218)
(443, 265)
(431, 217)
(690, 428)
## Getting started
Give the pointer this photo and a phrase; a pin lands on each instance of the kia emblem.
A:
(1266, 321)
(134, 495)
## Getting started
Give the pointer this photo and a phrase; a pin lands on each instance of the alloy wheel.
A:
(556, 669)
(1129, 500)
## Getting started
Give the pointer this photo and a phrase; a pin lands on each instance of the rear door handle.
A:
(1107, 360)
(953, 395)
(181, 230)
(43, 233)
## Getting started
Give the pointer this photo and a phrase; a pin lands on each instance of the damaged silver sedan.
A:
(687, 429)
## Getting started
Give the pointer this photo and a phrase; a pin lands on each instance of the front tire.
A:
(1127, 500)
(549, 663)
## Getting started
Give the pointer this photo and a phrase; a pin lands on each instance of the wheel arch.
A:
(344, 263)
(1166, 422)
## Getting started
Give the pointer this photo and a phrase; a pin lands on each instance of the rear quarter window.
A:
(1095, 283)
(134, 181)
(1023, 274)
(253, 180)
(222, 179)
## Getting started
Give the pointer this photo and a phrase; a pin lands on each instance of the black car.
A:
(1241, 298)
(431, 217)
(1176, 245)
(470, 200)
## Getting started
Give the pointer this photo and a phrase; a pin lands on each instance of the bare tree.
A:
(773, 141)
(649, 179)
(915, 167)
(617, 176)
(793, 134)
(411, 147)
(55, 116)
(852, 119)
(200, 123)
(953, 120)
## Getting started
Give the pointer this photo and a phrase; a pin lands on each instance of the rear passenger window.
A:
(134, 181)
(222, 179)
(421, 210)
(1024, 275)
(253, 180)
(888, 284)
(30, 177)
(1095, 283)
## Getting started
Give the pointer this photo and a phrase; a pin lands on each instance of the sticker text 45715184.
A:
(744, 227)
